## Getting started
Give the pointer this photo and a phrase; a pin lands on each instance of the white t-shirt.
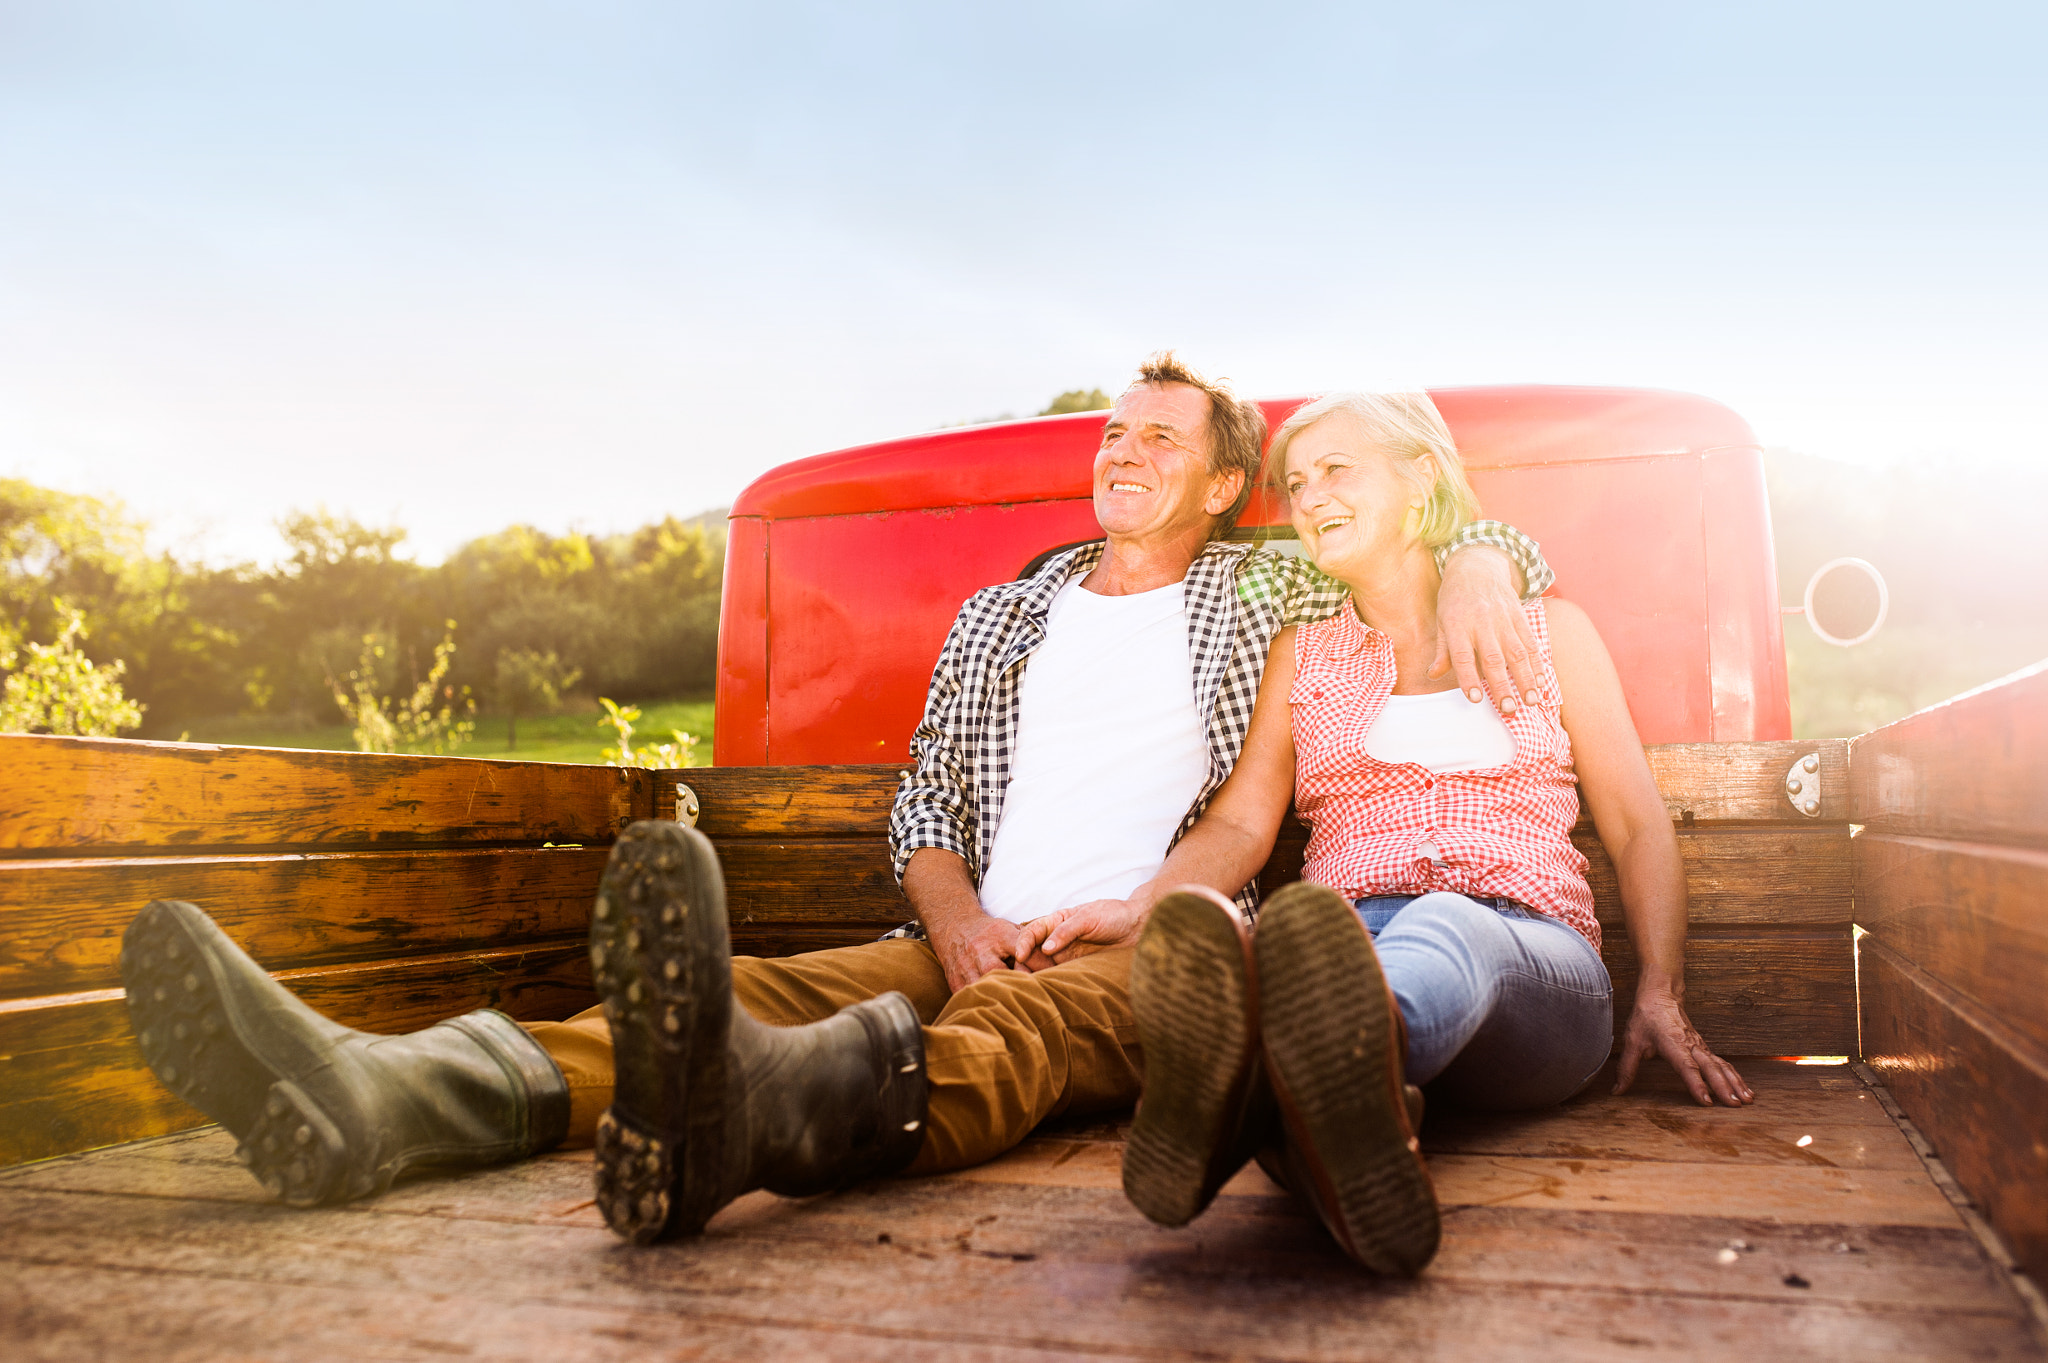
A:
(1110, 754)
(1442, 731)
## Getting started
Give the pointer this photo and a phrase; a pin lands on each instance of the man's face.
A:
(1152, 471)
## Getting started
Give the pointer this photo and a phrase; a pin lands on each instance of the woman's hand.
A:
(1658, 1025)
(1068, 934)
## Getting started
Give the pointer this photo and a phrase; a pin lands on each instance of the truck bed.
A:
(1631, 1227)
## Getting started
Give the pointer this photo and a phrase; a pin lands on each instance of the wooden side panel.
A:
(106, 794)
(1745, 782)
(1759, 992)
(1978, 1090)
(71, 1076)
(783, 802)
(61, 919)
(1972, 915)
(1974, 768)
(1703, 783)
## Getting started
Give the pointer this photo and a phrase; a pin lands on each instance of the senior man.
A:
(1077, 723)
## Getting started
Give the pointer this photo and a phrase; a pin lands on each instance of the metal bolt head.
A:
(1811, 761)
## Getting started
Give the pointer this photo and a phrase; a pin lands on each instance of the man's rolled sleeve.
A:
(934, 805)
(1536, 574)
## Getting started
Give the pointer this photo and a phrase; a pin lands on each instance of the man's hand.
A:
(1658, 1026)
(1069, 934)
(973, 948)
(969, 941)
(1481, 630)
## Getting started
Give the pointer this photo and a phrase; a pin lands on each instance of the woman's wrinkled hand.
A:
(1067, 934)
(1658, 1026)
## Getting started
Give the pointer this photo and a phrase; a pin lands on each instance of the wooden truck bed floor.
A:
(1632, 1227)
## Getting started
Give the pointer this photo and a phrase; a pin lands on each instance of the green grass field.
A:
(574, 736)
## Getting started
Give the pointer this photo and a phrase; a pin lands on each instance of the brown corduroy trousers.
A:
(1003, 1054)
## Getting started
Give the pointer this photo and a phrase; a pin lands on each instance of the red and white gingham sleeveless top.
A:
(1500, 830)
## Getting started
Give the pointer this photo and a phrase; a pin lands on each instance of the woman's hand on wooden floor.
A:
(1658, 1026)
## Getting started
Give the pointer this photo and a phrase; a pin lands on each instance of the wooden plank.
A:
(61, 919)
(1765, 1134)
(1903, 1266)
(1784, 876)
(1973, 915)
(786, 802)
(72, 1077)
(1977, 1089)
(778, 939)
(112, 794)
(1708, 783)
(1974, 768)
(1805, 1193)
(1704, 783)
(1789, 992)
(838, 880)
(915, 1264)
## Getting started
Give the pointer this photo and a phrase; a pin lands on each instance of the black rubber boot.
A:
(1206, 1108)
(1334, 1046)
(708, 1102)
(324, 1113)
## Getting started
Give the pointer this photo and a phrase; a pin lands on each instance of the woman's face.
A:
(1349, 500)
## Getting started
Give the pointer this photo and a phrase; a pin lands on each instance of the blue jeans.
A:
(1505, 1008)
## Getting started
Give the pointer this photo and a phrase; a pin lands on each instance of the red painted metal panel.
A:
(1745, 629)
(859, 606)
(1650, 506)
(1626, 547)
(740, 723)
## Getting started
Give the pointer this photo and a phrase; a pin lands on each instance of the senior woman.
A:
(1443, 932)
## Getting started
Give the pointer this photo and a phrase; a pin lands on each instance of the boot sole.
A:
(1332, 1052)
(661, 958)
(1194, 997)
(196, 1041)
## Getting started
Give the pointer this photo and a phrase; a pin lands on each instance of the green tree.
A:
(58, 690)
(1078, 400)
(434, 716)
(530, 682)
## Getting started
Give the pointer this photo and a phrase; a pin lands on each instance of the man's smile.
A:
(1128, 487)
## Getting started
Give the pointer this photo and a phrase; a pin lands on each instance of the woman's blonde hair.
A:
(1405, 426)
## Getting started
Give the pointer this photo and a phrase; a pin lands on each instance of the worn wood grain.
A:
(823, 880)
(1708, 783)
(786, 802)
(1900, 1197)
(109, 794)
(1976, 1088)
(103, 1252)
(1703, 783)
(1974, 768)
(1506, 1246)
(71, 1076)
(1758, 992)
(1972, 915)
(1764, 1134)
(1013, 1269)
(61, 919)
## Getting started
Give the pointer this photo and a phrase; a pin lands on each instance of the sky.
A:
(455, 266)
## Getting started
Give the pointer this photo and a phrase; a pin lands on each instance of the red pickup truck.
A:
(1867, 935)
(844, 571)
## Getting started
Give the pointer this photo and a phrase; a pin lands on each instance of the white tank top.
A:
(1442, 731)
(1110, 754)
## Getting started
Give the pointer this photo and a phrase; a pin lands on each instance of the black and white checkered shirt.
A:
(1237, 598)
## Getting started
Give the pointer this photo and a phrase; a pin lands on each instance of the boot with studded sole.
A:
(1334, 1044)
(1206, 1108)
(708, 1103)
(323, 1113)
